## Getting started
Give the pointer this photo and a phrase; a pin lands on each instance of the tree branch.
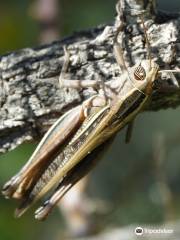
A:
(30, 98)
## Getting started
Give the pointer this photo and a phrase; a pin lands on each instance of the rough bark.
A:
(30, 98)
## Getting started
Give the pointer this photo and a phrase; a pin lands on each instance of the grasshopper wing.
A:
(72, 177)
(45, 152)
(70, 155)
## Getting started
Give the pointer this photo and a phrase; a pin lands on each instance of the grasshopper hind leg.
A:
(19, 185)
(41, 184)
(76, 174)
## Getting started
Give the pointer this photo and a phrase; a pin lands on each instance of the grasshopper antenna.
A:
(118, 51)
(148, 46)
(169, 71)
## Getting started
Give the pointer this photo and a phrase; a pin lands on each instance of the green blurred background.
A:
(130, 179)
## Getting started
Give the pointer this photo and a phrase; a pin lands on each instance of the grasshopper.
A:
(62, 157)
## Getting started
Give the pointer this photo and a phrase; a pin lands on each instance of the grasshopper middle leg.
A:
(78, 84)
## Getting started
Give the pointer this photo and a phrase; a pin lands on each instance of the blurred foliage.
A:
(16, 33)
(125, 178)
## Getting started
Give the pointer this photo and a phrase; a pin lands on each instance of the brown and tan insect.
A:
(61, 158)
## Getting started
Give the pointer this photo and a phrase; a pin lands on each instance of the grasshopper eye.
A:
(139, 73)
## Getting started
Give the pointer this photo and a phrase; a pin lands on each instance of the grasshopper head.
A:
(143, 75)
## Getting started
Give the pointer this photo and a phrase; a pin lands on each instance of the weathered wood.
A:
(30, 98)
